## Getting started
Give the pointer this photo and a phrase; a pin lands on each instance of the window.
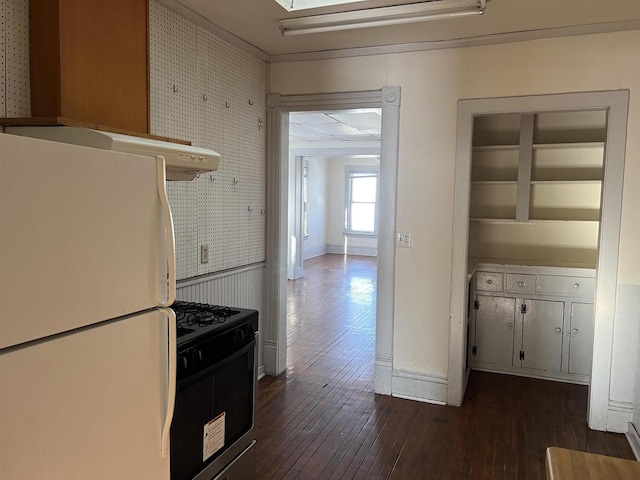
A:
(361, 208)
(305, 199)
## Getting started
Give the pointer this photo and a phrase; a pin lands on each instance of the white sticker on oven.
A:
(213, 436)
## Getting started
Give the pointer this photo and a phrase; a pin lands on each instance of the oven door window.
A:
(226, 386)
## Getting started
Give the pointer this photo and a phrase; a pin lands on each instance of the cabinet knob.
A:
(558, 330)
(574, 331)
(521, 284)
(489, 282)
(576, 285)
(509, 324)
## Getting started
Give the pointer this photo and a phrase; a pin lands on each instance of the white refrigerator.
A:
(87, 347)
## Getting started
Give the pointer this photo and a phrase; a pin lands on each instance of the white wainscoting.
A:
(352, 250)
(241, 287)
(423, 388)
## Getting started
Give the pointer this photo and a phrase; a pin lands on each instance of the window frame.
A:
(374, 170)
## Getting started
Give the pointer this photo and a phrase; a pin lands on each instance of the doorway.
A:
(615, 106)
(330, 152)
(333, 200)
(278, 172)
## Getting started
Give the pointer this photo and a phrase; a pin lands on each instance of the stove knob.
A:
(196, 356)
(182, 362)
(238, 336)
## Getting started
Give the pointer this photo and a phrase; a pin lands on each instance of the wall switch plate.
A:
(204, 253)
(403, 240)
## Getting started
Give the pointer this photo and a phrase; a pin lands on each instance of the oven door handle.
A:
(171, 241)
(171, 387)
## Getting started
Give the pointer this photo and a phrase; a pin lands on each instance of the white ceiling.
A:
(350, 125)
(256, 22)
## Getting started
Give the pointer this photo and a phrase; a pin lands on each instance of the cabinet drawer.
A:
(521, 283)
(489, 281)
(574, 286)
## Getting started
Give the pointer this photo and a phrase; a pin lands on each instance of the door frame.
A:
(278, 164)
(616, 103)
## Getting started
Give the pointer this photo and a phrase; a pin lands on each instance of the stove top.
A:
(195, 320)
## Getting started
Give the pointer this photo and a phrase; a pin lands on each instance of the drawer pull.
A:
(489, 282)
(509, 324)
(558, 330)
(576, 285)
(521, 284)
(574, 331)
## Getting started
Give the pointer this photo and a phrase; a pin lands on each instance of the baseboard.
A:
(261, 373)
(270, 357)
(382, 376)
(423, 388)
(634, 440)
(619, 415)
(352, 250)
(316, 251)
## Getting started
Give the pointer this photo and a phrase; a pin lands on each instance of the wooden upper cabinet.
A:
(90, 62)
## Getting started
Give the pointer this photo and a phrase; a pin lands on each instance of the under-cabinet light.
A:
(383, 16)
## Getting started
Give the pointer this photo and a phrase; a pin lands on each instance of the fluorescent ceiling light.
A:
(382, 16)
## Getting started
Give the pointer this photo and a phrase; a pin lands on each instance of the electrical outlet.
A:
(403, 240)
(204, 253)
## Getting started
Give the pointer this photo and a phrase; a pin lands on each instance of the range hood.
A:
(183, 162)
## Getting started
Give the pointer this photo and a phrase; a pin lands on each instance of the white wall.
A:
(316, 243)
(335, 210)
(431, 83)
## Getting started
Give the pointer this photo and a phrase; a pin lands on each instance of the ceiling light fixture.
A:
(383, 16)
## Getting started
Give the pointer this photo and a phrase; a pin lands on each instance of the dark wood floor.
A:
(321, 419)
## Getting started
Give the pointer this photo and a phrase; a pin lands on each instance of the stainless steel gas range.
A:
(212, 434)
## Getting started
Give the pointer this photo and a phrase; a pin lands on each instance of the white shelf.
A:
(553, 146)
(490, 148)
(532, 221)
(565, 182)
(506, 221)
(494, 182)
(566, 221)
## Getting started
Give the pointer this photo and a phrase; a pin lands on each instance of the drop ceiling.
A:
(345, 126)
(257, 23)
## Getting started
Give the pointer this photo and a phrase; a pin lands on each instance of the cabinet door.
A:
(581, 338)
(494, 321)
(542, 327)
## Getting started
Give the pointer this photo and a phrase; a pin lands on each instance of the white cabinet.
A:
(581, 338)
(542, 327)
(521, 283)
(494, 330)
(569, 286)
(521, 325)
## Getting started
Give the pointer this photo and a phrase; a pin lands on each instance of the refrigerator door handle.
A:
(171, 390)
(171, 245)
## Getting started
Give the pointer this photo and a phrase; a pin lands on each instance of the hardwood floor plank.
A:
(320, 420)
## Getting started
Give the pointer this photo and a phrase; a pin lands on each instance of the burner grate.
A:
(190, 314)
